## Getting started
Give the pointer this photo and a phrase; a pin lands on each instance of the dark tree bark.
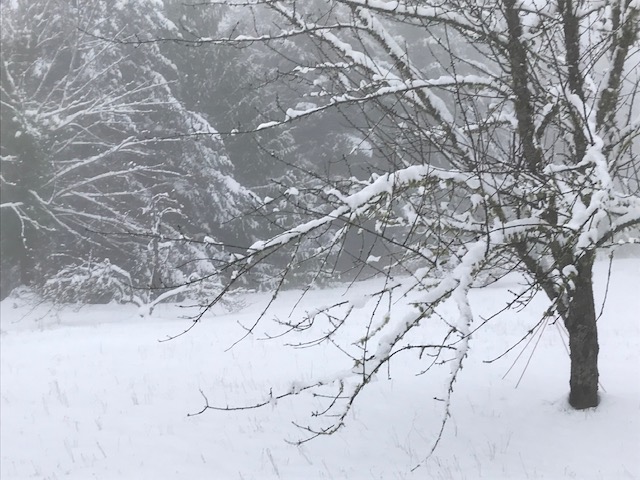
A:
(580, 321)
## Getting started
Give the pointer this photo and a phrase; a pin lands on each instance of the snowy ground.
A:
(91, 393)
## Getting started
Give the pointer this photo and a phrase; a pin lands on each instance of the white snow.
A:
(90, 393)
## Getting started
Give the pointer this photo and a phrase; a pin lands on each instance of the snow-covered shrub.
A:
(89, 282)
(22, 296)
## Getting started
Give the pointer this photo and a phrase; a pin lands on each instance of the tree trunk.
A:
(27, 266)
(580, 321)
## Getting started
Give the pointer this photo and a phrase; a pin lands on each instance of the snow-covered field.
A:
(91, 393)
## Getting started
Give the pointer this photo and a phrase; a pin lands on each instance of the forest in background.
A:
(115, 180)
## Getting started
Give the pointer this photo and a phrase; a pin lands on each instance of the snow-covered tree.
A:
(510, 134)
(96, 162)
(223, 84)
(239, 87)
